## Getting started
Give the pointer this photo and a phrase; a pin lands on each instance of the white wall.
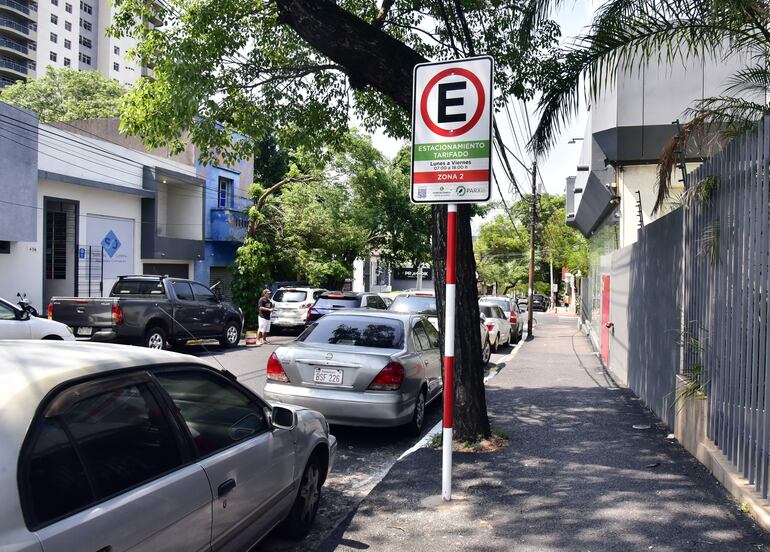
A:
(21, 272)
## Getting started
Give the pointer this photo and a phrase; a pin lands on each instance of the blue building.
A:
(225, 219)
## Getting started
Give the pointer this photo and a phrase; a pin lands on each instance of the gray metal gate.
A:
(91, 271)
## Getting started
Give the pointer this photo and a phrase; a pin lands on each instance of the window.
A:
(67, 62)
(432, 334)
(137, 287)
(116, 66)
(123, 439)
(225, 192)
(85, 24)
(68, 44)
(86, 7)
(421, 341)
(217, 413)
(289, 296)
(85, 41)
(204, 294)
(84, 58)
(54, 19)
(32, 46)
(375, 302)
(116, 50)
(358, 331)
(6, 312)
(68, 8)
(55, 476)
(67, 26)
(415, 303)
(52, 56)
(183, 291)
(55, 2)
(54, 38)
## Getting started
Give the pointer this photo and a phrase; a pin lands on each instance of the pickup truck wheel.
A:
(231, 335)
(155, 338)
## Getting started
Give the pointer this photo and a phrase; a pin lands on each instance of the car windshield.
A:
(289, 296)
(487, 311)
(331, 302)
(358, 331)
(502, 303)
(415, 304)
(138, 287)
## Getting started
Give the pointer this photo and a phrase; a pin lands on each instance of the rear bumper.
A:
(369, 409)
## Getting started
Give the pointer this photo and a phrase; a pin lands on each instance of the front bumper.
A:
(368, 409)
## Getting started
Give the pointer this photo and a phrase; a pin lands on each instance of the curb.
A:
(437, 428)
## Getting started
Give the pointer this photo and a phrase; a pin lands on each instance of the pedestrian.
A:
(265, 309)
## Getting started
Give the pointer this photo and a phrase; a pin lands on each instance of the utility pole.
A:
(553, 294)
(531, 290)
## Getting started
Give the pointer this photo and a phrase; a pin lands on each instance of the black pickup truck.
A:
(154, 311)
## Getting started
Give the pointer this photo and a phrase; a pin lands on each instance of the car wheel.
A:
(414, 428)
(155, 338)
(231, 335)
(300, 520)
(486, 352)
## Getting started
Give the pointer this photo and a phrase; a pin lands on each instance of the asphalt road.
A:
(364, 455)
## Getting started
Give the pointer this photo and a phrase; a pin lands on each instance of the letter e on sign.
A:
(452, 131)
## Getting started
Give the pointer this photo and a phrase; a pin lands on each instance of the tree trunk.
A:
(371, 57)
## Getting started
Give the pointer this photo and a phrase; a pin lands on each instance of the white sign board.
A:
(116, 236)
(452, 131)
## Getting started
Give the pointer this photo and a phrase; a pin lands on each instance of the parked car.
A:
(424, 303)
(336, 300)
(512, 312)
(539, 302)
(361, 368)
(498, 326)
(153, 311)
(18, 323)
(292, 306)
(387, 298)
(109, 447)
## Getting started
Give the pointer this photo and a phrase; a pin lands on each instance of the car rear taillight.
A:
(307, 305)
(117, 315)
(312, 311)
(275, 371)
(513, 319)
(50, 311)
(490, 327)
(390, 378)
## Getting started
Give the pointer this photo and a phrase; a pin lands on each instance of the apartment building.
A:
(61, 33)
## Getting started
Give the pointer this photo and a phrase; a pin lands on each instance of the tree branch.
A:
(383, 13)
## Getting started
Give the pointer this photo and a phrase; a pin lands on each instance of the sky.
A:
(562, 161)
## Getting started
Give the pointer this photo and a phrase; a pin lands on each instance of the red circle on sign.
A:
(479, 107)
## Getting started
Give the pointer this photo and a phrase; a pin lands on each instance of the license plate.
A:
(85, 331)
(327, 375)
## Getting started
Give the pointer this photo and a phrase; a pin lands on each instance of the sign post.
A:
(451, 164)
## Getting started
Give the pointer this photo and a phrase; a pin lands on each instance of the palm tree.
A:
(627, 34)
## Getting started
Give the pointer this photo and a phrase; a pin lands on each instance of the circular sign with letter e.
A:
(452, 131)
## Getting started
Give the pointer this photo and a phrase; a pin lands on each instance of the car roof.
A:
(373, 313)
(341, 294)
(30, 370)
(299, 288)
(423, 293)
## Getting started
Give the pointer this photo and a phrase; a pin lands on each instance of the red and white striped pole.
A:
(449, 350)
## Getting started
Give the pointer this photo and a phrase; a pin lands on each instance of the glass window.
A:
(217, 413)
(432, 334)
(54, 19)
(183, 291)
(341, 301)
(52, 56)
(357, 331)
(116, 66)
(54, 38)
(55, 478)
(67, 26)
(289, 296)
(54, 2)
(421, 340)
(116, 50)
(68, 8)
(416, 304)
(202, 293)
(67, 62)
(137, 287)
(67, 44)
(7, 312)
(488, 311)
(123, 437)
(225, 193)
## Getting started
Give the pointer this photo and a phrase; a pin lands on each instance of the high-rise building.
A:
(61, 33)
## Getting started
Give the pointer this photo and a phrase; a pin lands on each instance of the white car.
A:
(16, 323)
(498, 325)
(291, 306)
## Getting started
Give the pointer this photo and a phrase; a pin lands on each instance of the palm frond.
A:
(749, 82)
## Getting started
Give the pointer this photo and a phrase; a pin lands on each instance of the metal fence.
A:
(91, 271)
(726, 282)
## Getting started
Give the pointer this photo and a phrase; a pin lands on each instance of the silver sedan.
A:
(361, 368)
(110, 447)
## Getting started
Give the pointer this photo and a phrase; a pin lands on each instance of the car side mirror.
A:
(24, 315)
(283, 418)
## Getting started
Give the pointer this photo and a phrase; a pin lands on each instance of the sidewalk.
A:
(575, 477)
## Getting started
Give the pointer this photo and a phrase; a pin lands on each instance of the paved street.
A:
(364, 455)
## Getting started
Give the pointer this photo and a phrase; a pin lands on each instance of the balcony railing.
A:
(23, 8)
(228, 225)
(13, 45)
(13, 25)
(9, 64)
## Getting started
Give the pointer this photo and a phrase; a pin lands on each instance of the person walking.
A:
(265, 309)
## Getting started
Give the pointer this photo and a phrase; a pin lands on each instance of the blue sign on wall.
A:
(111, 244)
(82, 252)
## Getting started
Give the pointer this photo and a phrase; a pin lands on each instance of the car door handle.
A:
(225, 488)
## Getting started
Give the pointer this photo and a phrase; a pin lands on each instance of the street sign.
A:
(452, 131)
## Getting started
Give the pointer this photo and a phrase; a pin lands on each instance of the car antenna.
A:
(192, 337)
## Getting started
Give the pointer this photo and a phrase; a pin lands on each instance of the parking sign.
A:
(452, 131)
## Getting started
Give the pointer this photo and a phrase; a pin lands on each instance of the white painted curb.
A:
(437, 428)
